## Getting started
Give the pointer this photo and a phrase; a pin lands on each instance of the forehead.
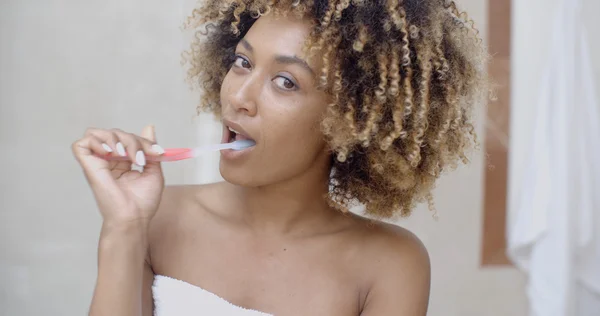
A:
(279, 35)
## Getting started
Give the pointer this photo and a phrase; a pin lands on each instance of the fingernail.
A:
(140, 159)
(137, 168)
(107, 148)
(157, 149)
(121, 149)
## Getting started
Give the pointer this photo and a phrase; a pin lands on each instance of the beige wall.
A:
(66, 65)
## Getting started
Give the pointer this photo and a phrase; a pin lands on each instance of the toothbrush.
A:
(175, 154)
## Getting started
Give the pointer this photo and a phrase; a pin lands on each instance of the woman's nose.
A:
(243, 97)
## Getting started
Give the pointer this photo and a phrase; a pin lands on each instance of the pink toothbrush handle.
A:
(171, 154)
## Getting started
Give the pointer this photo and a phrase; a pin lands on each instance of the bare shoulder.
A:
(181, 206)
(180, 200)
(392, 242)
(399, 270)
(175, 200)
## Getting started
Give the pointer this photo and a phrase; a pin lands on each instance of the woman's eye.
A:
(241, 62)
(285, 83)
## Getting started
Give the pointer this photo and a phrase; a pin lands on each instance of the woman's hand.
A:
(124, 196)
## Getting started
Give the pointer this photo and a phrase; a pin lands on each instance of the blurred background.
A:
(67, 65)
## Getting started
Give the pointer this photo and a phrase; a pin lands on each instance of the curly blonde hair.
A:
(404, 76)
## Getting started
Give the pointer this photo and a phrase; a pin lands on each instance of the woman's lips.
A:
(230, 136)
(235, 135)
(231, 154)
(237, 131)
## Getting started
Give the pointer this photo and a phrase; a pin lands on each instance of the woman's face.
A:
(270, 95)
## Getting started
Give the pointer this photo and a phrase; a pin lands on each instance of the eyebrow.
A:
(247, 45)
(293, 60)
(287, 60)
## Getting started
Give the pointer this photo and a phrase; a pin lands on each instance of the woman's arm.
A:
(124, 276)
(127, 200)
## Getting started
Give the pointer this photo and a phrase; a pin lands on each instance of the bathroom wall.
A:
(66, 65)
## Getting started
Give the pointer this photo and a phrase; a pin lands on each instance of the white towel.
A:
(174, 297)
(553, 231)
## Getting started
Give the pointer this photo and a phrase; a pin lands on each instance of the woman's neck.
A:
(292, 206)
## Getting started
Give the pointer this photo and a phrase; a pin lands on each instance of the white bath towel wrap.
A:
(174, 297)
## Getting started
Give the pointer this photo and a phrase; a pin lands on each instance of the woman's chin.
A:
(238, 175)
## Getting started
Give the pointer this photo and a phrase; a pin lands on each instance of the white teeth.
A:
(232, 130)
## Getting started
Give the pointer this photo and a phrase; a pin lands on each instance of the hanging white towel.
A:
(553, 232)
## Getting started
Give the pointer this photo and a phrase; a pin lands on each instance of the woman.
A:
(348, 102)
